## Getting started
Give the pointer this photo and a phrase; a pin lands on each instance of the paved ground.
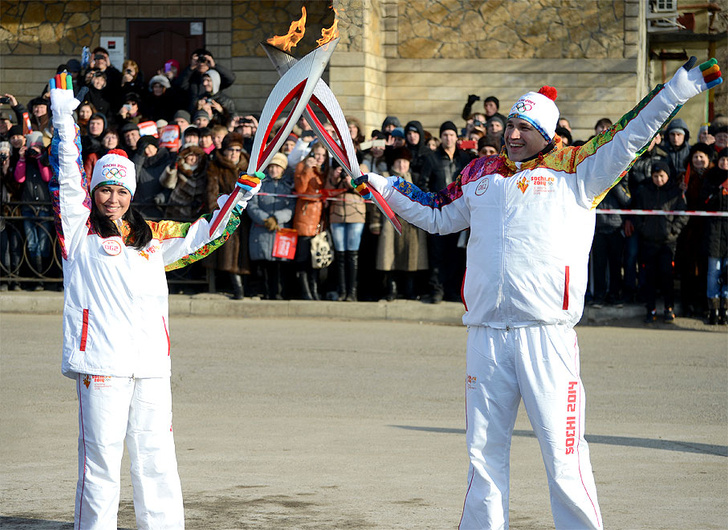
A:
(307, 423)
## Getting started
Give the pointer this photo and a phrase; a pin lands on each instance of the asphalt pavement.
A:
(334, 415)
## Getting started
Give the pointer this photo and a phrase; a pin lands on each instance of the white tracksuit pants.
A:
(112, 411)
(541, 365)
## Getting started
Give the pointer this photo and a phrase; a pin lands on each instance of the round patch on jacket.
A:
(112, 247)
(482, 186)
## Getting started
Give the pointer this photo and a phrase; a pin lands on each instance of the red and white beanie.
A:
(114, 168)
(540, 110)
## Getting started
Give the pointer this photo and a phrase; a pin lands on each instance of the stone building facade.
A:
(416, 59)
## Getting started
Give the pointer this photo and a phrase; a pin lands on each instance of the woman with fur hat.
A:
(150, 161)
(40, 118)
(160, 102)
(115, 325)
(690, 258)
(222, 174)
(187, 178)
(269, 212)
(400, 258)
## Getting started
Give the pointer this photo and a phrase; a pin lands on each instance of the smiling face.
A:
(207, 84)
(112, 200)
(522, 140)
(84, 112)
(700, 160)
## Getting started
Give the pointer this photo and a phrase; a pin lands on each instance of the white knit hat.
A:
(538, 109)
(114, 168)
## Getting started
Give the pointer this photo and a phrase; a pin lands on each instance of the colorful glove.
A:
(63, 102)
(378, 182)
(688, 82)
(249, 185)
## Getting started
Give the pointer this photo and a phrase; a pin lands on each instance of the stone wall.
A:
(35, 37)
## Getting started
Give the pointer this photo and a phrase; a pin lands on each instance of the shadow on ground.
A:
(627, 441)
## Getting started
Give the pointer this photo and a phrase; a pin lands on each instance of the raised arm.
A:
(68, 186)
(605, 159)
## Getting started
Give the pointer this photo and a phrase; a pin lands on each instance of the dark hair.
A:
(201, 51)
(140, 234)
(494, 100)
(604, 122)
(565, 134)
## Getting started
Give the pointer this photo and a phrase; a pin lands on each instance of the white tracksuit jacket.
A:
(532, 223)
(115, 314)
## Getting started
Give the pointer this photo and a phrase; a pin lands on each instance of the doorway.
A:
(153, 42)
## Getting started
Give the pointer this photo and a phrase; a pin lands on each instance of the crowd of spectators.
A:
(188, 142)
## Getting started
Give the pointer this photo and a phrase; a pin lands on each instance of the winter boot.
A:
(722, 312)
(352, 273)
(313, 278)
(275, 285)
(303, 286)
(340, 259)
(391, 285)
(712, 311)
(237, 283)
(37, 264)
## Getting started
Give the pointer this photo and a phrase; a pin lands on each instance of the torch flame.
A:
(329, 34)
(295, 34)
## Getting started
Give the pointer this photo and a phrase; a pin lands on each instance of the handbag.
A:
(284, 244)
(322, 254)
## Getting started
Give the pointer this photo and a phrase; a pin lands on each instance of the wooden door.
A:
(153, 42)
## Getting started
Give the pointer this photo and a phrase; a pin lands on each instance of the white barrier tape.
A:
(603, 211)
(694, 213)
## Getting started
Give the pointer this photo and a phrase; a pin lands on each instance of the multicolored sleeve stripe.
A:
(60, 210)
(606, 159)
(442, 198)
(187, 242)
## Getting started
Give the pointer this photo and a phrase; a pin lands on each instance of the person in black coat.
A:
(658, 237)
(446, 257)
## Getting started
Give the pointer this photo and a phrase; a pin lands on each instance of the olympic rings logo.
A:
(113, 173)
(523, 106)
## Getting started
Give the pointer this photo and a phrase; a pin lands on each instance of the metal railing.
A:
(19, 266)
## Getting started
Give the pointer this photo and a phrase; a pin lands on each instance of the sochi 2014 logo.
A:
(522, 184)
(113, 173)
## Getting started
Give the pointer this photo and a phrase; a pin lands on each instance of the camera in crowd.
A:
(4, 151)
(4, 99)
(99, 57)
